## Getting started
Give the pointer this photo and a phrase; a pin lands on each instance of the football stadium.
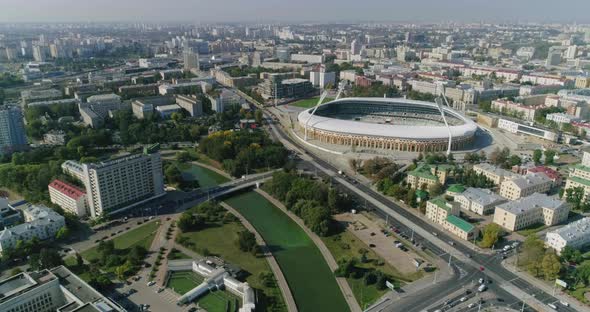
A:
(388, 123)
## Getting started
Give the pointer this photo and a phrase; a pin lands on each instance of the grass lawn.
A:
(579, 294)
(200, 157)
(534, 229)
(182, 282)
(142, 235)
(311, 102)
(311, 281)
(176, 254)
(346, 245)
(219, 301)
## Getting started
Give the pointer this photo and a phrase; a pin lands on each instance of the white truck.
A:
(482, 288)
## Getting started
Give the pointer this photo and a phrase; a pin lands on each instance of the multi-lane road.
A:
(470, 265)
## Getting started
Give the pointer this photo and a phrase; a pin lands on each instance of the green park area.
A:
(140, 236)
(311, 281)
(217, 235)
(311, 102)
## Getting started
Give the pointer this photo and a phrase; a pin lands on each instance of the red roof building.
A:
(67, 189)
(553, 175)
(69, 197)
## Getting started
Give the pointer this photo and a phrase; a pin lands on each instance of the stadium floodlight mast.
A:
(439, 103)
(322, 97)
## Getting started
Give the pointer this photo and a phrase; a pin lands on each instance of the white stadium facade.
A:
(396, 124)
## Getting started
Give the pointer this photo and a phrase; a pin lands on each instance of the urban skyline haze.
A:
(294, 11)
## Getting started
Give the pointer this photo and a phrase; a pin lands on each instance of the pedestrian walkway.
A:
(344, 287)
(546, 287)
(274, 265)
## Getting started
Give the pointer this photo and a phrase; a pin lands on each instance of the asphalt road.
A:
(489, 263)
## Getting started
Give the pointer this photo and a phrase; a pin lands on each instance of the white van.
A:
(552, 306)
(482, 288)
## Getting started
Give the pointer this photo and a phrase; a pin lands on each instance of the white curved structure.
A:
(388, 123)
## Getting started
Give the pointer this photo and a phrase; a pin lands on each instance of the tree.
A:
(491, 234)
(549, 157)
(354, 164)
(258, 116)
(537, 155)
(247, 241)
(62, 233)
(189, 222)
(551, 266)
(15, 271)
(435, 189)
(575, 196)
(569, 254)
(121, 271)
(514, 161)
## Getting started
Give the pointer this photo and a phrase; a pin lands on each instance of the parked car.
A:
(151, 283)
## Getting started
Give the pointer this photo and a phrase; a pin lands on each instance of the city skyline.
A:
(301, 11)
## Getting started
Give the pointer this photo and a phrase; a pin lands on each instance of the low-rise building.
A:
(480, 201)
(552, 174)
(8, 215)
(438, 209)
(57, 289)
(428, 174)
(575, 235)
(526, 185)
(580, 176)
(69, 197)
(493, 173)
(528, 211)
(40, 222)
(166, 111)
(514, 126)
(459, 227)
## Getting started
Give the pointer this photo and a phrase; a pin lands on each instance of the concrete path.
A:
(344, 287)
(274, 265)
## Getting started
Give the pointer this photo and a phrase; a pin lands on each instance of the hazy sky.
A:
(294, 10)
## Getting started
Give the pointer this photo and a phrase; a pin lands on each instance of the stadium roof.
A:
(417, 132)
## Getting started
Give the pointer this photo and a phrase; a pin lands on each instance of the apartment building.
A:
(528, 211)
(57, 289)
(527, 112)
(526, 185)
(12, 130)
(580, 175)
(493, 173)
(480, 201)
(191, 104)
(575, 235)
(40, 222)
(69, 197)
(120, 183)
(428, 174)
